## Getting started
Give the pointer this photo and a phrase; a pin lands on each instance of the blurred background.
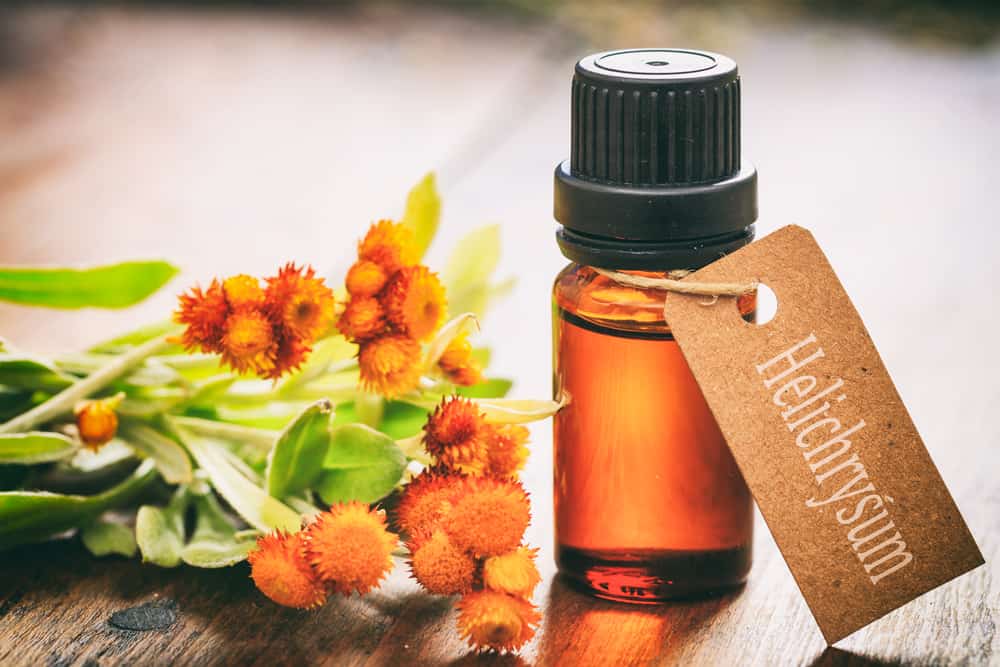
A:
(230, 137)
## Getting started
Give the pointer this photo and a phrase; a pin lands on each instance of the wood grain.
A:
(229, 142)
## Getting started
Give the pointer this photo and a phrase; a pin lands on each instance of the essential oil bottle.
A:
(649, 503)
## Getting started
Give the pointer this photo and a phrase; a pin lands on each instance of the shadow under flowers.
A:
(582, 630)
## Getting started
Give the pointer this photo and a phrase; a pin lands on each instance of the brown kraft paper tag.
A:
(847, 488)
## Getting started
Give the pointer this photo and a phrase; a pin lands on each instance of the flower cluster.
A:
(465, 519)
(395, 305)
(347, 548)
(262, 330)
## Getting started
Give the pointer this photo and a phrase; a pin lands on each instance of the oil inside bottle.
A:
(649, 502)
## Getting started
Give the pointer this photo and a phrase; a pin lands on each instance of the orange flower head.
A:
(458, 364)
(243, 292)
(365, 278)
(300, 302)
(390, 365)
(492, 621)
(425, 500)
(388, 244)
(204, 313)
(97, 421)
(248, 345)
(507, 452)
(291, 354)
(362, 319)
(415, 302)
(455, 435)
(280, 571)
(514, 572)
(490, 518)
(440, 566)
(350, 548)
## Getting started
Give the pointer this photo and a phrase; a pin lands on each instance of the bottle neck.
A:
(657, 256)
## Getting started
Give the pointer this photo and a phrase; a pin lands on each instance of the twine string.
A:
(675, 284)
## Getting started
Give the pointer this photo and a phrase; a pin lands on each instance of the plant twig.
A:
(64, 401)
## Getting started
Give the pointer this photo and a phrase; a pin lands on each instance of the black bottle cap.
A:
(655, 178)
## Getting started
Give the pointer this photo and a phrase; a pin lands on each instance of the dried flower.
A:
(506, 450)
(243, 291)
(458, 364)
(388, 244)
(496, 621)
(425, 499)
(300, 302)
(248, 344)
(291, 353)
(365, 278)
(455, 435)
(97, 421)
(415, 302)
(349, 547)
(280, 571)
(490, 517)
(390, 365)
(514, 572)
(362, 319)
(440, 566)
(204, 313)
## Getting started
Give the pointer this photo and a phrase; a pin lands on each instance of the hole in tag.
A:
(766, 306)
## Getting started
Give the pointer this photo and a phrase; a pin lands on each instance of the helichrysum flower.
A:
(490, 517)
(514, 572)
(279, 569)
(204, 313)
(489, 620)
(365, 278)
(455, 435)
(248, 344)
(506, 450)
(349, 547)
(363, 318)
(415, 302)
(440, 566)
(425, 500)
(388, 244)
(457, 363)
(300, 302)
(390, 365)
(264, 331)
(97, 421)
(243, 291)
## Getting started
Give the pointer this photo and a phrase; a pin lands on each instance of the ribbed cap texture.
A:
(635, 133)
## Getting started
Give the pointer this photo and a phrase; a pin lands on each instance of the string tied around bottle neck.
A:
(674, 283)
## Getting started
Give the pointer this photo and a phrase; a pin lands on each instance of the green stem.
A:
(258, 437)
(64, 401)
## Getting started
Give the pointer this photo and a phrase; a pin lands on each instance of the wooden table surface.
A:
(229, 142)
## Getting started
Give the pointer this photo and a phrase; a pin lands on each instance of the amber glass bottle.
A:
(649, 503)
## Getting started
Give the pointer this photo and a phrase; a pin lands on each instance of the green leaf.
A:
(473, 260)
(493, 388)
(423, 211)
(250, 501)
(297, 457)
(25, 372)
(159, 531)
(112, 286)
(33, 516)
(361, 464)
(170, 457)
(214, 543)
(138, 336)
(103, 537)
(399, 420)
(149, 374)
(369, 408)
(477, 298)
(35, 447)
(275, 415)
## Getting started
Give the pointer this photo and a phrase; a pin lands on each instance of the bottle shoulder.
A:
(582, 291)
